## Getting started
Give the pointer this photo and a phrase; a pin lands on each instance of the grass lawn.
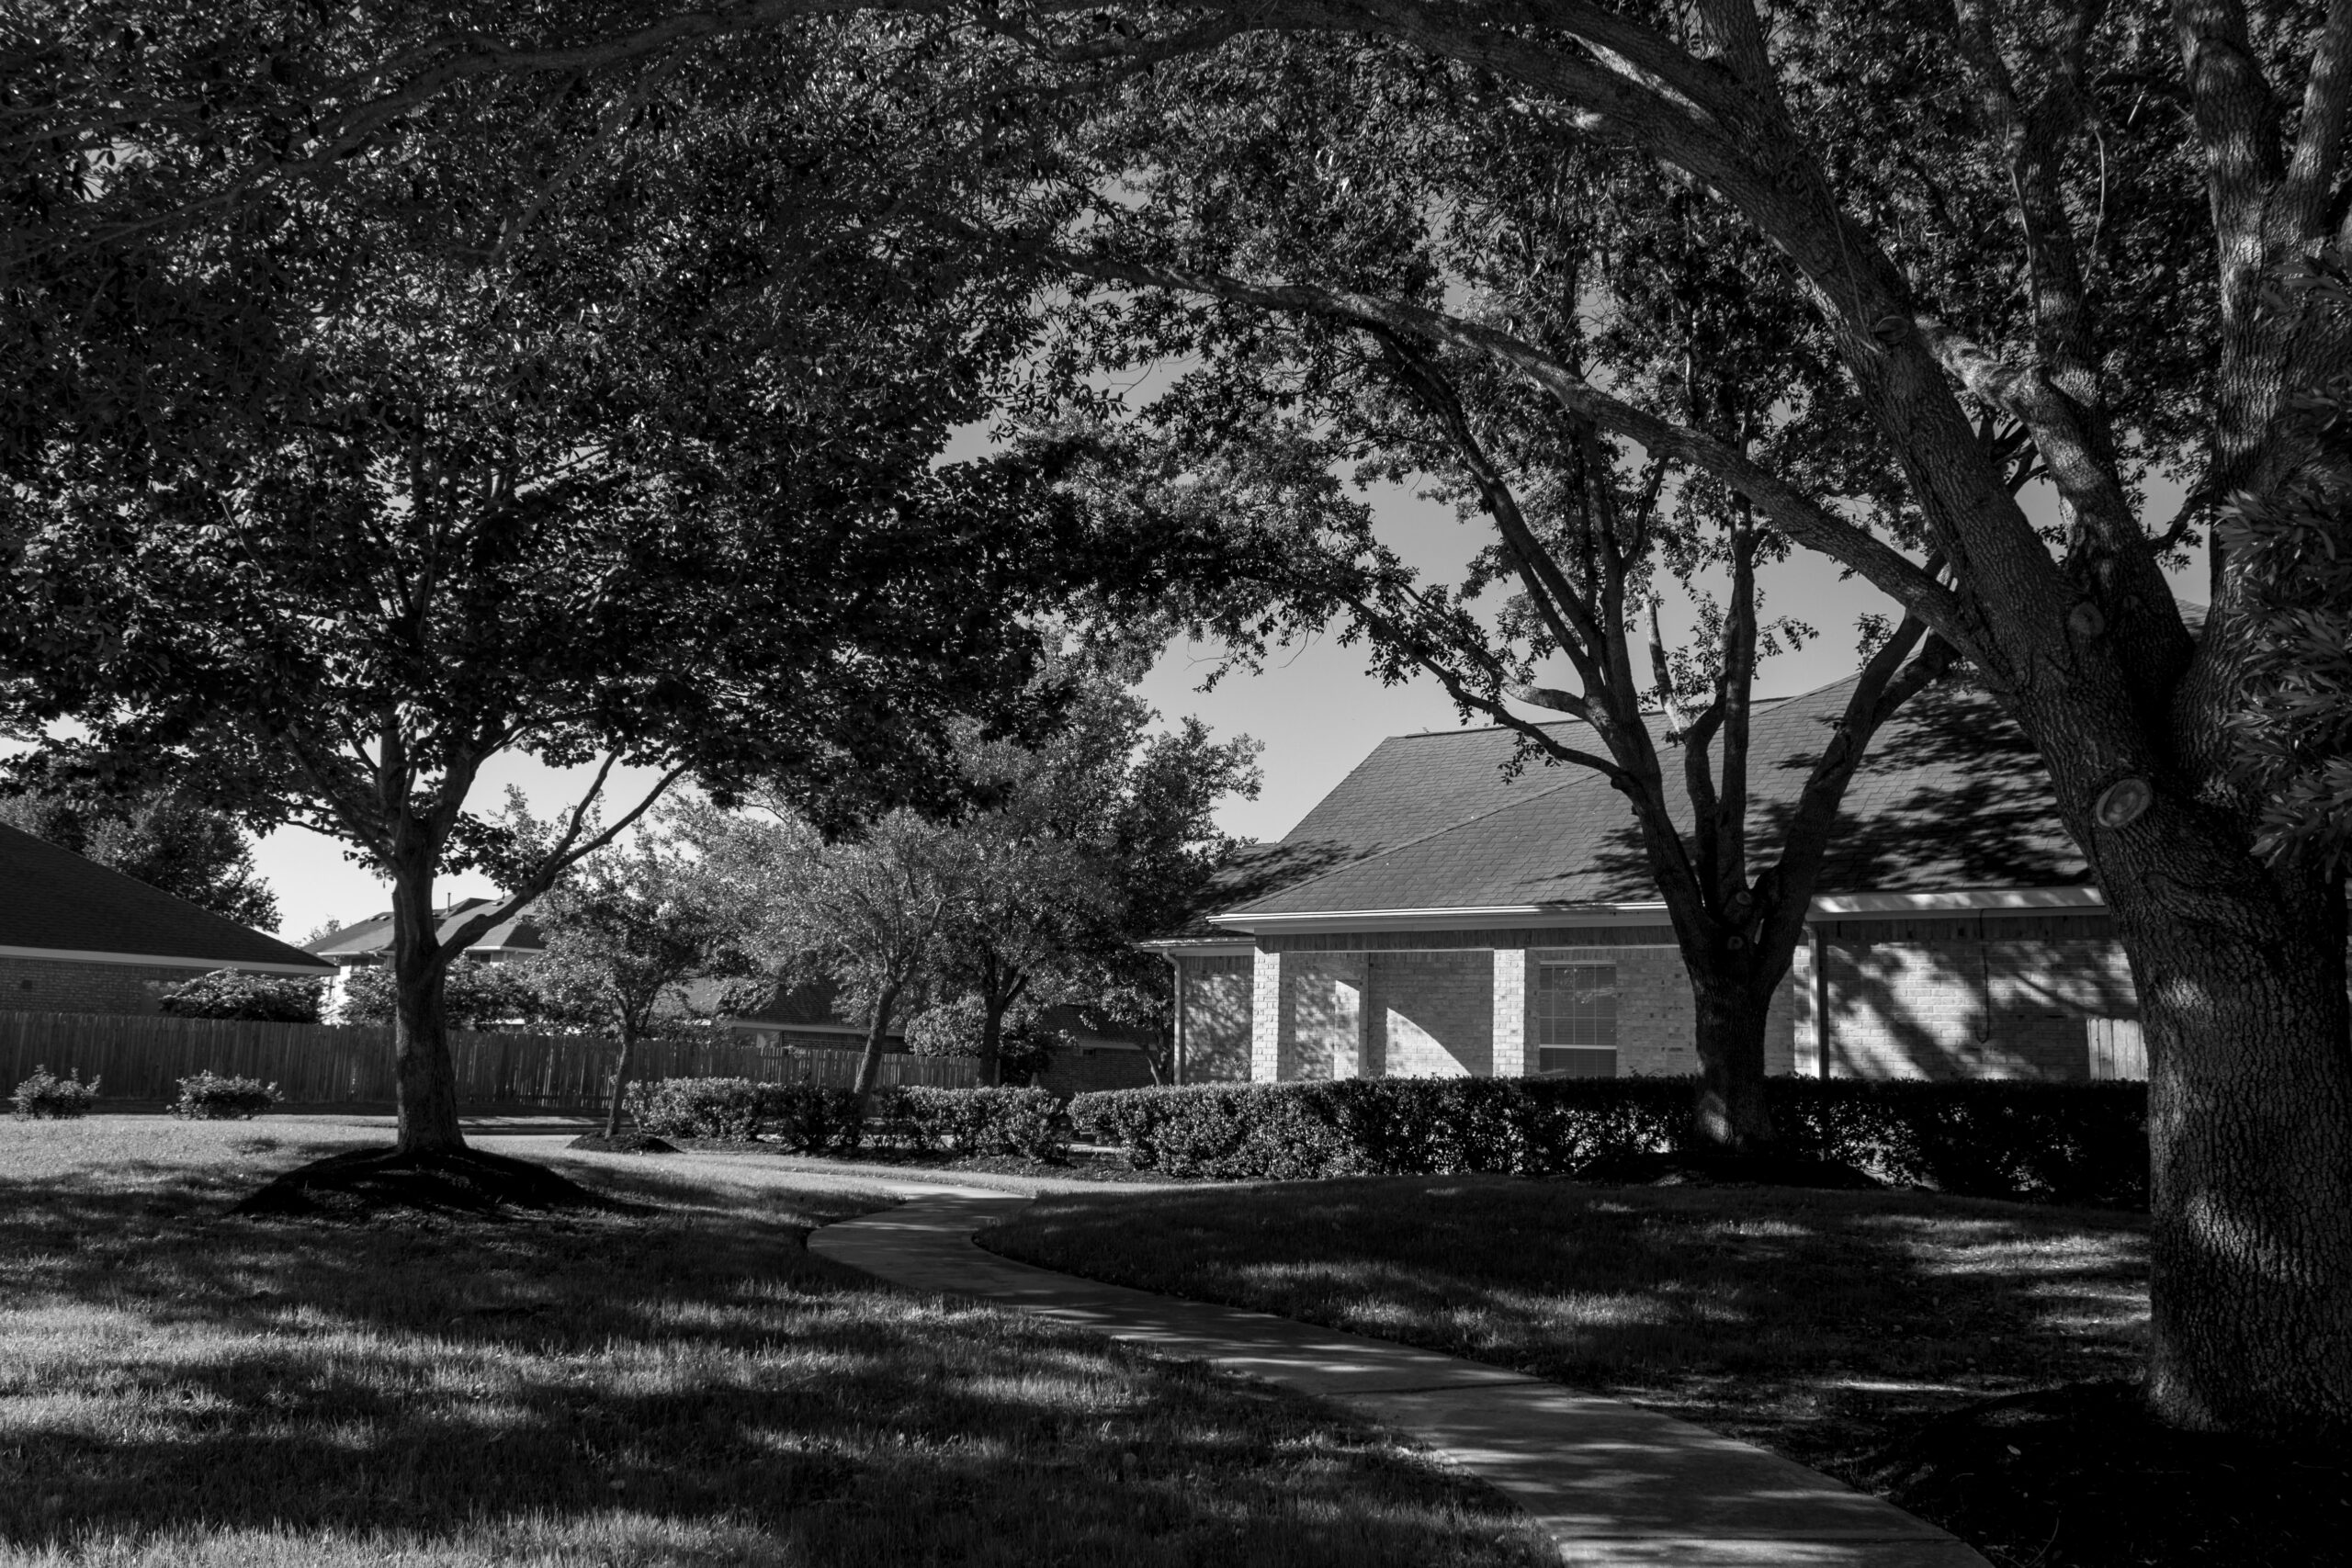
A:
(1817, 1324)
(688, 1386)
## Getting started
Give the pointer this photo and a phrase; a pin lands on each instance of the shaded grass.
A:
(688, 1386)
(1819, 1323)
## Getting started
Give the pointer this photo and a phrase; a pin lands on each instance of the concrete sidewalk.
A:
(1614, 1485)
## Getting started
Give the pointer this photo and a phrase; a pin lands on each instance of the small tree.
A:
(868, 911)
(476, 993)
(625, 930)
(1101, 835)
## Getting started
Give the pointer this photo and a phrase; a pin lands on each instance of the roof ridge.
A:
(1585, 773)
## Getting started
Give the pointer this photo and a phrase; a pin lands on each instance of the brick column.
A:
(1266, 1008)
(1510, 1052)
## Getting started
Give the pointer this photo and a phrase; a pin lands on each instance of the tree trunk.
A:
(2240, 981)
(869, 1066)
(1730, 1014)
(992, 1011)
(620, 1077)
(426, 1078)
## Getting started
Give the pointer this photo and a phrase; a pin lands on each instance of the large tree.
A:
(1591, 254)
(595, 427)
(1982, 206)
(1942, 182)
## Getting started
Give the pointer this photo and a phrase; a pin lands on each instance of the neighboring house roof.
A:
(62, 906)
(371, 937)
(1950, 796)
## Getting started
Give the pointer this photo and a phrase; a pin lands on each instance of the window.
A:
(1575, 1020)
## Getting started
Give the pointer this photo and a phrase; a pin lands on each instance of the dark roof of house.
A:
(367, 938)
(59, 902)
(1950, 796)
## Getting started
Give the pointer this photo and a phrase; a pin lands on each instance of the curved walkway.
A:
(1614, 1485)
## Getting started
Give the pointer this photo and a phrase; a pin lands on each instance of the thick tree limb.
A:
(1787, 510)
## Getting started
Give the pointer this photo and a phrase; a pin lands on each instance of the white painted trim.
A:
(1571, 917)
(1563, 915)
(1960, 898)
(161, 961)
(1202, 949)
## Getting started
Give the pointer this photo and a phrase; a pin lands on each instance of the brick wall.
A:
(2006, 997)
(1269, 1013)
(65, 985)
(1432, 1013)
(1216, 1018)
(1322, 1016)
(1654, 1008)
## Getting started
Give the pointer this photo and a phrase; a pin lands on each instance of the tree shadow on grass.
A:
(696, 1371)
(1819, 1322)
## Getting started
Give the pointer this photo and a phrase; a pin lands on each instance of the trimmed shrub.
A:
(2053, 1143)
(810, 1118)
(1029, 1123)
(232, 993)
(207, 1098)
(697, 1108)
(45, 1095)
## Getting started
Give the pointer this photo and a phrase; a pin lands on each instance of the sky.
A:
(1315, 710)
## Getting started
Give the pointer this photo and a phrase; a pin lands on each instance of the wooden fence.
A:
(141, 1059)
(2117, 1050)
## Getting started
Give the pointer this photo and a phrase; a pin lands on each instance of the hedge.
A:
(816, 1119)
(1025, 1122)
(2056, 1143)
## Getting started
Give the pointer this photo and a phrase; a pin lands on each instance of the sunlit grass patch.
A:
(1814, 1322)
(684, 1386)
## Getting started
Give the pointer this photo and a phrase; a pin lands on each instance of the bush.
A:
(697, 1108)
(476, 994)
(2061, 1142)
(1029, 1123)
(232, 993)
(207, 1098)
(811, 1118)
(45, 1095)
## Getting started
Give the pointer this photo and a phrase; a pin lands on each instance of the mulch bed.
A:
(2082, 1476)
(623, 1143)
(372, 1184)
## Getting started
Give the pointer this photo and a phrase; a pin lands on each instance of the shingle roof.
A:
(57, 901)
(1950, 796)
(374, 934)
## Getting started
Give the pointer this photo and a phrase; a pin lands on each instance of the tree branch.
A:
(1789, 512)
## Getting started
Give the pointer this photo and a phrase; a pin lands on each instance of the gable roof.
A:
(1950, 796)
(372, 936)
(59, 903)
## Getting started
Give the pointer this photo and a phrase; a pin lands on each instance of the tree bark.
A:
(1731, 1016)
(426, 1079)
(2240, 981)
(620, 1076)
(878, 1028)
(992, 1009)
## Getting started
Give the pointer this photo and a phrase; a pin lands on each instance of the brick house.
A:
(76, 937)
(1432, 917)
